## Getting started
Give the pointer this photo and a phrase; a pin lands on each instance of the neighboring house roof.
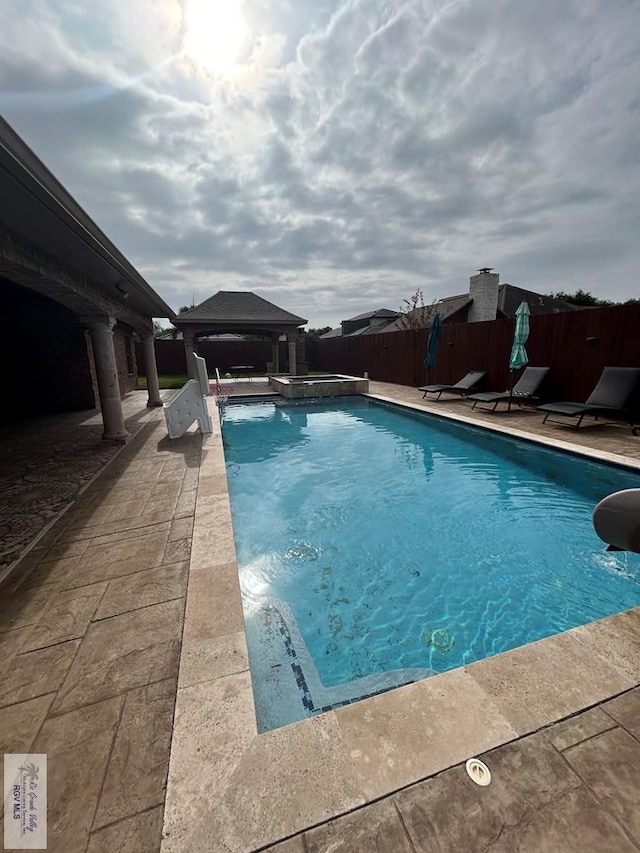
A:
(239, 308)
(450, 309)
(510, 297)
(369, 315)
(447, 308)
(368, 323)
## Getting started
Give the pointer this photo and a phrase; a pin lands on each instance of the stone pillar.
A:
(483, 290)
(104, 356)
(275, 353)
(151, 368)
(291, 339)
(302, 365)
(189, 349)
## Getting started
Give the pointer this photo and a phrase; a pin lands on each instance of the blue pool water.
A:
(371, 541)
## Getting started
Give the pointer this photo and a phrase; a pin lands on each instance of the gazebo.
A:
(243, 312)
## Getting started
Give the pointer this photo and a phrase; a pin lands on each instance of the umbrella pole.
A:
(510, 389)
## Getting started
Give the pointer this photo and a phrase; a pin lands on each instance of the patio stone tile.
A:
(214, 724)
(186, 504)
(50, 572)
(11, 643)
(80, 533)
(625, 710)
(139, 762)
(536, 684)
(121, 557)
(376, 829)
(138, 834)
(214, 604)
(610, 765)
(162, 508)
(164, 491)
(181, 528)
(615, 639)
(78, 745)
(212, 485)
(578, 728)
(66, 617)
(19, 724)
(409, 733)
(85, 514)
(207, 659)
(454, 818)
(65, 549)
(243, 791)
(141, 589)
(18, 610)
(22, 570)
(291, 845)
(126, 509)
(122, 653)
(130, 528)
(121, 493)
(177, 550)
(35, 673)
(212, 543)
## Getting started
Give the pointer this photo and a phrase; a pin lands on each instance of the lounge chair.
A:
(609, 397)
(463, 386)
(524, 391)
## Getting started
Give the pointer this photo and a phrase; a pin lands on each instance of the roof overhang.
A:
(37, 208)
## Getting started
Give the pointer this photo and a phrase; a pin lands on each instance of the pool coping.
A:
(231, 789)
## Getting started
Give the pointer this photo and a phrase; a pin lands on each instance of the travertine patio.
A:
(128, 610)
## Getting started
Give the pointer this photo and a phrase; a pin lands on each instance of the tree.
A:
(314, 334)
(414, 314)
(581, 297)
(184, 308)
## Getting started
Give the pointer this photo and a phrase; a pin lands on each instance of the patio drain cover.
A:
(478, 771)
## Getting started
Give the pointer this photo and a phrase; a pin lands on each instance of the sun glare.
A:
(214, 33)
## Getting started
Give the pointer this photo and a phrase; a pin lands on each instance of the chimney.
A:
(483, 290)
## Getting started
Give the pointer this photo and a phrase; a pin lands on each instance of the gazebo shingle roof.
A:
(239, 307)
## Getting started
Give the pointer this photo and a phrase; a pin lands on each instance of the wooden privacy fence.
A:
(576, 346)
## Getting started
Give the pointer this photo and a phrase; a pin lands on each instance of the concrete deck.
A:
(122, 656)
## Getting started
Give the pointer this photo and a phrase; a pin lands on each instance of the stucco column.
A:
(189, 349)
(151, 369)
(104, 356)
(275, 353)
(291, 339)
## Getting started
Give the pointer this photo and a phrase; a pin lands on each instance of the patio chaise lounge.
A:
(463, 386)
(609, 397)
(524, 391)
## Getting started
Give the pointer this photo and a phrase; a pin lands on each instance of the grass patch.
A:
(166, 382)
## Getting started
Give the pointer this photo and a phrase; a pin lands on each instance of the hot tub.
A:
(295, 387)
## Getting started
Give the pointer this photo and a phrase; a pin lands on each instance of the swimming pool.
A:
(376, 547)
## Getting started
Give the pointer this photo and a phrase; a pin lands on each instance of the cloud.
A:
(360, 148)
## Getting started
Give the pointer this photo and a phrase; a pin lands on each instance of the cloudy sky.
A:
(336, 155)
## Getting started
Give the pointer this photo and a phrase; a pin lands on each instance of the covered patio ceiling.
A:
(49, 244)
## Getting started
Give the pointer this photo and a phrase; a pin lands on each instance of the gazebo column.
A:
(104, 356)
(275, 353)
(151, 369)
(189, 350)
(302, 365)
(291, 339)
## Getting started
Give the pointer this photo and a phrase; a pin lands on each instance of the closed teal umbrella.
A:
(519, 355)
(432, 343)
